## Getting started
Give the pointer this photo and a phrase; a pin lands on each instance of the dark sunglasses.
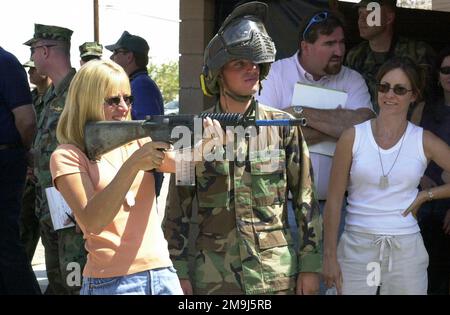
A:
(115, 100)
(33, 49)
(319, 17)
(445, 70)
(122, 51)
(398, 89)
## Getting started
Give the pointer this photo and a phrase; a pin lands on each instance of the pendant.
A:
(384, 182)
(129, 199)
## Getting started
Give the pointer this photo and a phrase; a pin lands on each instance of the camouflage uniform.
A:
(244, 244)
(66, 245)
(29, 223)
(362, 59)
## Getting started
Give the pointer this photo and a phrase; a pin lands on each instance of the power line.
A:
(111, 7)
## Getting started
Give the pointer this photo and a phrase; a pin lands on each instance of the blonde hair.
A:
(95, 81)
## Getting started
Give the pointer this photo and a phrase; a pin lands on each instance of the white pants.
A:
(396, 263)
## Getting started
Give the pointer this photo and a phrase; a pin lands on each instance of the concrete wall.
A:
(442, 5)
(196, 29)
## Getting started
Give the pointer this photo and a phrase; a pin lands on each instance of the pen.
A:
(71, 219)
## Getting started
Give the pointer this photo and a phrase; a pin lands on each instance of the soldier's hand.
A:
(308, 283)
(186, 287)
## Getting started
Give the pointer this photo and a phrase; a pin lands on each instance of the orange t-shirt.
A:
(134, 241)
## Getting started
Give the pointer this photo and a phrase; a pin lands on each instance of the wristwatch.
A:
(298, 109)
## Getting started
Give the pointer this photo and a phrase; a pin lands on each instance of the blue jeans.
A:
(161, 281)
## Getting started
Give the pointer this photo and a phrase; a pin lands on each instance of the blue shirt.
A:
(147, 97)
(14, 92)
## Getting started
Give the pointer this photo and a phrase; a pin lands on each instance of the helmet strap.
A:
(234, 96)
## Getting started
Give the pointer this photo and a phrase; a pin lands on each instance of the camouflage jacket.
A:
(38, 101)
(362, 59)
(244, 236)
(45, 142)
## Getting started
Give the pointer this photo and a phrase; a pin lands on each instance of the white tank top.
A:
(372, 209)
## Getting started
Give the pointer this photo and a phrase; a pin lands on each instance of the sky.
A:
(155, 20)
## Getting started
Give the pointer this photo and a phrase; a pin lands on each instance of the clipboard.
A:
(309, 95)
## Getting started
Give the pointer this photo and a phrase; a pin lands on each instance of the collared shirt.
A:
(278, 88)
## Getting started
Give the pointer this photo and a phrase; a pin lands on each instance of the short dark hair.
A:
(325, 27)
(141, 60)
(415, 74)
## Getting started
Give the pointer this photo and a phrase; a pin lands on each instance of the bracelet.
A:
(430, 195)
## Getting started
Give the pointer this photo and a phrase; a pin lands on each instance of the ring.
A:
(214, 136)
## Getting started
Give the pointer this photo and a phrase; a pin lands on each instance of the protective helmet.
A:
(241, 36)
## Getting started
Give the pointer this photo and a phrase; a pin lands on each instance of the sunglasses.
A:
(445, 70)
(120, 51)
(398, 89)
(115, 100)
(319, 17)
(33, 49)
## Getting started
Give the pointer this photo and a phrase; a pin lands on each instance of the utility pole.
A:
(96, 22)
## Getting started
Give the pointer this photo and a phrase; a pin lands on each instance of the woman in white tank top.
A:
(380, 163)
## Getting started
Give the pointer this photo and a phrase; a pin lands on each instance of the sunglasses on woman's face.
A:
(445, 70)
(115, 100)
(398, 89)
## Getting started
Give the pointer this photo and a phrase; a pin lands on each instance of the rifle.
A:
(104, 136)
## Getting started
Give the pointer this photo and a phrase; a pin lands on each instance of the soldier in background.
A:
(90, 51)
(65, 255)
(29, 222)
(244, 245)
(381, 43)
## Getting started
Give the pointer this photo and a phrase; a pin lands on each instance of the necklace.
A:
(384, 179)
(129, 197)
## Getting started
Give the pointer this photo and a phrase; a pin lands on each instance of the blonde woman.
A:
(380, 163)
(113, 199)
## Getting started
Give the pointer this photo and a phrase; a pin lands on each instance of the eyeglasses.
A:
(445, 70)
(319, 17)
(33, 49)
(115, 100)
(398, 89)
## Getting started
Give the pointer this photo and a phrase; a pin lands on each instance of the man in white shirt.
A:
(319, 62)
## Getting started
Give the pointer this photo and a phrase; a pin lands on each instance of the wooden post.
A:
(96, 22)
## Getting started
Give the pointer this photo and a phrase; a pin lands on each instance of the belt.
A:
(10, 146)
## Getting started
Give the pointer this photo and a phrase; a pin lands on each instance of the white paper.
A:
(59, 209)
(318, 97)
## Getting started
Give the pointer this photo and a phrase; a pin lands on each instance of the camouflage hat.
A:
(132, 43)
(29, 64)
(91, 49)
(392, 3)
(42, 31)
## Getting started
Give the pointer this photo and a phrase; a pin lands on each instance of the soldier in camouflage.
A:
(244, 245)
(29, 223)
(90, 51)
(381, 43)
(50, 51)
